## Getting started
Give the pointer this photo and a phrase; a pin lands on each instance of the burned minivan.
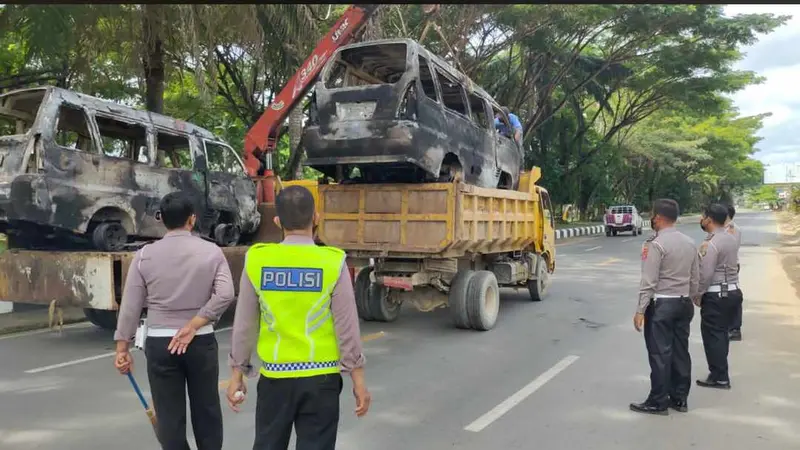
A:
(78, 170)
(390, 111)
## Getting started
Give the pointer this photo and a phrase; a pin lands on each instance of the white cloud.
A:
(776, 56)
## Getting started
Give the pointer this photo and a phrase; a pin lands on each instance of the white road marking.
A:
(90, 358)
(70, 363)
(515, 399)
(593, 248)
(629, 239)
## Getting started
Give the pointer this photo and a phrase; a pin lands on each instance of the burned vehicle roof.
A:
(392, 111)
(118, 109)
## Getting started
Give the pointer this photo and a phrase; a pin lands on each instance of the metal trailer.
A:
(441, 244)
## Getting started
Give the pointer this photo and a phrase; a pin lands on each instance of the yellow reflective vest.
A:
(294, 285)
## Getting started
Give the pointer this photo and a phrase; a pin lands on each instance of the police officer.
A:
(296, 302)
(719, 280)
(669, 279)
(735, 333)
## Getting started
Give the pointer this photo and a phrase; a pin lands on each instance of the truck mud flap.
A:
(81, 279)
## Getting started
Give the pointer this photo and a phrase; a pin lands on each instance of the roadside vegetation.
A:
(620, 103)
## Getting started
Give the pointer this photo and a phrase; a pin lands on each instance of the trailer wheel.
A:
(608, 232)
(109, 237)
(457, 298)
(538, 287)
(380, 307)
(105, 319)
(483, 300)
(361, 288)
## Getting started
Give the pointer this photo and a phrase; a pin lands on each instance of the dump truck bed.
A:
(436, 220)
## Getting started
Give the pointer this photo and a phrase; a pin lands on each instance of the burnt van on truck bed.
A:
(391, 111)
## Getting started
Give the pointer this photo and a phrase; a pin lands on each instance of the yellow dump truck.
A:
(441, 244)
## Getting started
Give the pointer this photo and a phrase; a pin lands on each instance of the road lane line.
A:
(609, 261)
(593, 248)
(504, 407)
(629, 239)
(70, 363)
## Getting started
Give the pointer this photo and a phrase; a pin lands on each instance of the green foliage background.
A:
(620, 103)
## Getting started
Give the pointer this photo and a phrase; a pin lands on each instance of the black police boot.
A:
(735, 335)
(649, 407)
(712, 383)
(679, 405)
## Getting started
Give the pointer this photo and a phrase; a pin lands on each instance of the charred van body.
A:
(91, 171)
(390, 111)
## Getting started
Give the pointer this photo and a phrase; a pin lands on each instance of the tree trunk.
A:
(153, 57)
(294, 169)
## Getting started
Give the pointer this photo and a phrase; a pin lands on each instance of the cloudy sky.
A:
(775, 56)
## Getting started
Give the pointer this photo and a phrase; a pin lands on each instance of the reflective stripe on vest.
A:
(294, 285)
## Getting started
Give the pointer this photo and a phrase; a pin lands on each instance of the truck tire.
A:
(105, 319)
(380, 308)
(608, 232)
(640, 231)
(537, 288)
(457, 298)
(483, 300)
(361, 288)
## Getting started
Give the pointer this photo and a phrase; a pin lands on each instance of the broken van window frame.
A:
(239, 162)
(101, 147)
(189, 138)
(440, 71)
(88, 117)
(437, 98)
(16, 115)
(337, 62)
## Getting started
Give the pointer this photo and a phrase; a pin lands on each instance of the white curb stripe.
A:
(566, 233)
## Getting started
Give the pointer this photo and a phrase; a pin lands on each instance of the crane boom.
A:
(262, 138)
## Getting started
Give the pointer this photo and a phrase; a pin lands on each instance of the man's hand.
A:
(363, 399)
(235, 385)
(184, 336)
(638, 321)
(697, 299)
(180, 342)
(123, 361)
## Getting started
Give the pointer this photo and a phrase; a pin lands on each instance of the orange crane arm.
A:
(262, 138)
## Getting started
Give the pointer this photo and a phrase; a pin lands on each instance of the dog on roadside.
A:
(55, 316)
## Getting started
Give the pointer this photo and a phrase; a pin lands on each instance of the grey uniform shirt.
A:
(670, 267)
(718, 259)
(343, 309)
(177, 277)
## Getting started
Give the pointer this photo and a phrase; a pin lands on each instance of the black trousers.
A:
(310, 404)
(717, 314)
(666, 334)
(736, 321)
(170, 376)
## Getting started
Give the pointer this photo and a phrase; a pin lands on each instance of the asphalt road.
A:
(552, 375)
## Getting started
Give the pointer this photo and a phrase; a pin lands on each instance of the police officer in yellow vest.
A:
(296, 303)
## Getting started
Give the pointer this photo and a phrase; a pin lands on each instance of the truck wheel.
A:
(537, 288)
(381, 308)
(483, 300)
(109, 237)
(640, 232)
(105, 319)
(608, 232)
(613, 232)
(361, 288)
(457, 298)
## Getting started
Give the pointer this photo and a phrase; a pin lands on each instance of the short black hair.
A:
(717, 213)
(295, 208)
(731, 211)
(176, 208)
(666, 208)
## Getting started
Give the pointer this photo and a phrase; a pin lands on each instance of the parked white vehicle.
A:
(623, 218)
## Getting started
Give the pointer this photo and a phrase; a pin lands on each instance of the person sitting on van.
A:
(513, 120)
